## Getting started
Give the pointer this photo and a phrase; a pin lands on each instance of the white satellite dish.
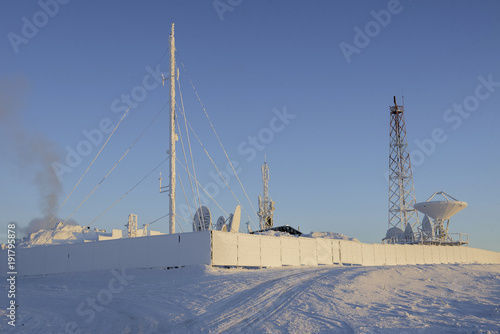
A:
(427, 227)
(408, 233)
(229, 222)
(441, 209)
(220, 223)
(234, 220)
(394, 233)
(202, 220)
(249, 230)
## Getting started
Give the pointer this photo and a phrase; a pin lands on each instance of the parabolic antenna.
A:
(427, 227)
(229, 222)
(394, 233)
(408, 234)
(202, 219)
(441, 210)
(234, 220)
(220, 222)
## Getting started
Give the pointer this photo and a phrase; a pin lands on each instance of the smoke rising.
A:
(37, 224)
(34, 153)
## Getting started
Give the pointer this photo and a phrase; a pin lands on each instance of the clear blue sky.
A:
(327, 165)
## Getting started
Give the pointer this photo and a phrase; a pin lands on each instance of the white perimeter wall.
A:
(142, 252)
(248, 250)
(230, 249)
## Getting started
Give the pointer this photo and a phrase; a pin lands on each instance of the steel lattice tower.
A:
(266, 205)
(401, 190)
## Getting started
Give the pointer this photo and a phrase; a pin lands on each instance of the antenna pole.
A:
(401, 190)
(266, 205)
(173, 135)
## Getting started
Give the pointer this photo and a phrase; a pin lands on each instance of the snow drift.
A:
(201, 299)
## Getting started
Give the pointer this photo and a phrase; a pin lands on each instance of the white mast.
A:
(173, 135)
(266, 205)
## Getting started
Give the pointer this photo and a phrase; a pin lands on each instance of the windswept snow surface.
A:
(199, 299)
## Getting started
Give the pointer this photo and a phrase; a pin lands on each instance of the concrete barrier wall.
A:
(419, 254)
(346, 252)
(144, 252)
(473, 256)
(31, 261)
(336, 251)
(368, 254)
(249, 250)
(270, 251)
(230, 249)
(225, 249)
(463, 255)
(81, 257)
(357, 254)
(194, 248)
(443, 254)
(56, 259)
(400, 254)
(236, 250)
(436, 259)
(324, 251)
(163, 251)
(308, 254)
(106, 254)
(390, 254)
(290, 252)
(379, 255)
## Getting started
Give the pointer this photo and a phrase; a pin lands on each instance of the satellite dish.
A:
(224, 228)
(427, 227)
(229, 222)
(441, 210)
(234, 220)
(220, 223)
(408, 233)
(394, 233)
(202, 219)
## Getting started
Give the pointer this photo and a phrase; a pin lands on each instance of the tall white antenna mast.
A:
(173, 135)
(402, 216)
(266, 205)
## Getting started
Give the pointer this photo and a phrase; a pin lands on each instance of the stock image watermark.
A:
(257, 143)
(454, 117)
(247, 150)
(212, 188)
(30, 27)
(11, 273)
(373, 28)
(94, 137)
(87, 310)
(223, 6)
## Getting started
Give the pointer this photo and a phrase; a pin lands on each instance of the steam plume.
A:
(34, 152)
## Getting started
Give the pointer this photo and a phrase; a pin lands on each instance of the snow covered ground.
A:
(61, 234)
(326, 235)
(200, 299)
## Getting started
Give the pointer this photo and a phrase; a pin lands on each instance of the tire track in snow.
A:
(280, 304)
(247, 310)
(218, 314)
